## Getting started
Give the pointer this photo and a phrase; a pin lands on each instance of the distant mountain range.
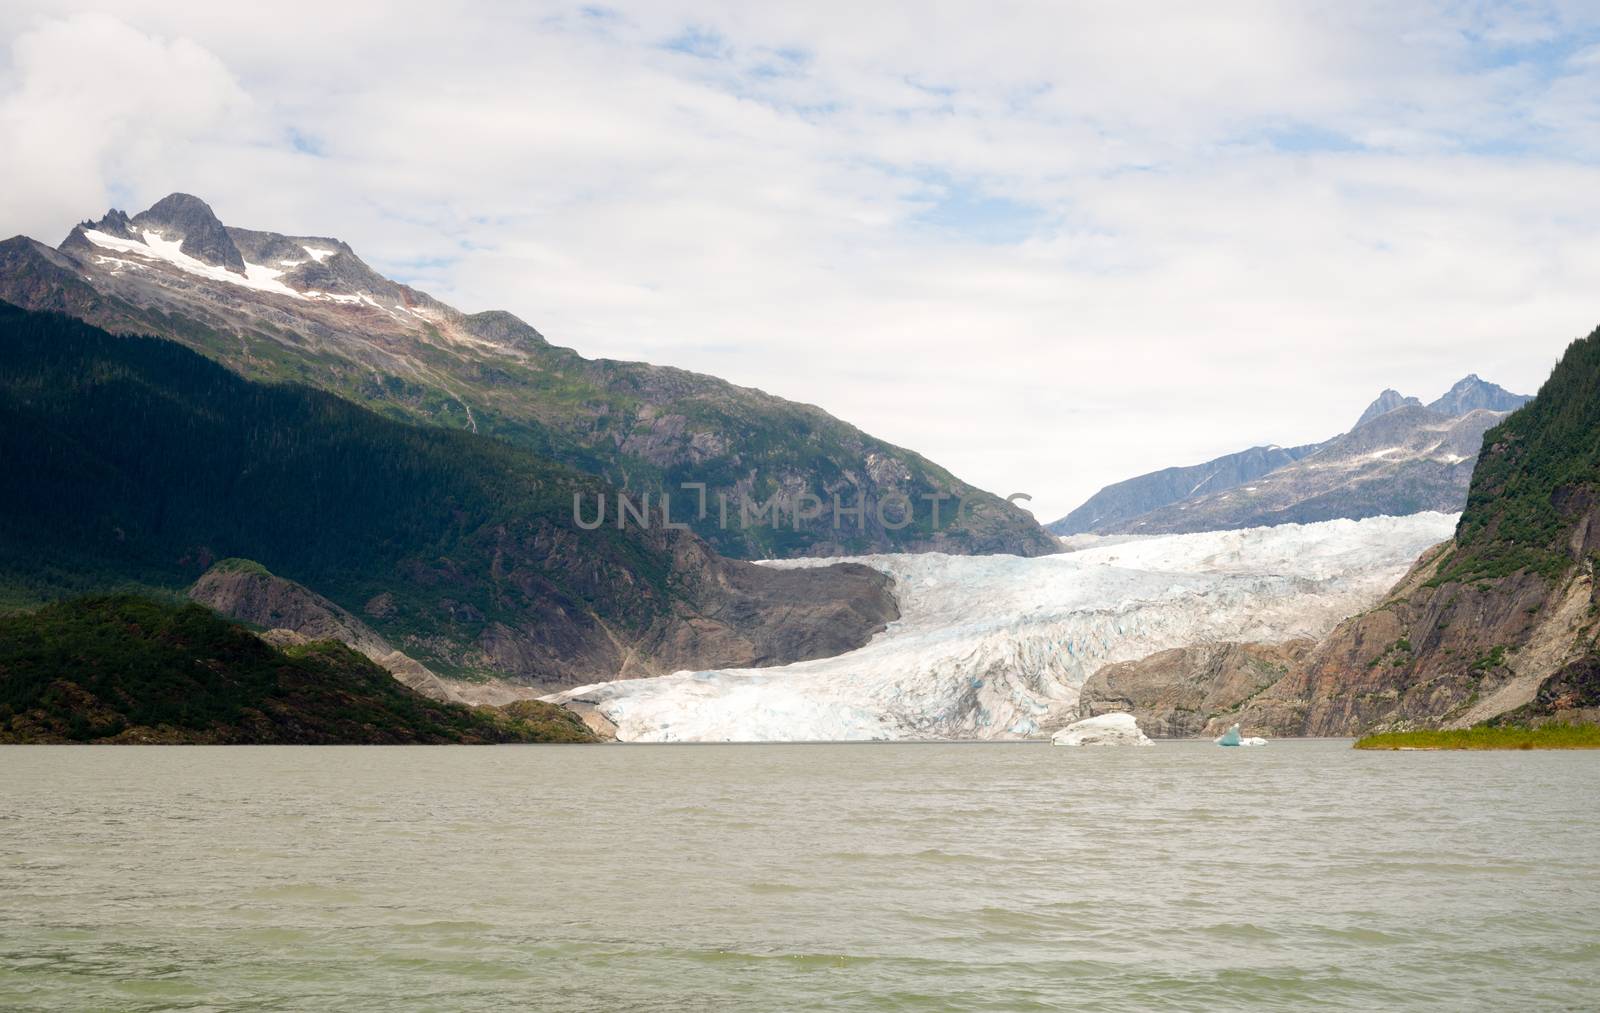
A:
(308, 309)
(1402, 457)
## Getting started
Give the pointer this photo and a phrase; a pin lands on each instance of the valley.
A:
(328, 456)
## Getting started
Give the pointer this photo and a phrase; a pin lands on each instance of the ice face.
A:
(998, 646)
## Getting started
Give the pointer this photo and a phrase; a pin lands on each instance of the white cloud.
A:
(1225, 225)
(93, 105)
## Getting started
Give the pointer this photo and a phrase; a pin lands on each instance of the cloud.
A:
(1047, 245)
(93, 107)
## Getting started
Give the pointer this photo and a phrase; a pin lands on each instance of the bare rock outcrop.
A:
(292, 614)
(1502, 622)
(1189, 691)
(1436, 654)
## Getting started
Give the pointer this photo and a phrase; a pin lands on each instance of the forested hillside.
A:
(135, 463)
(126, 669)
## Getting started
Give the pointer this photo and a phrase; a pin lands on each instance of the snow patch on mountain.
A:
(157, 247)
(998, 646)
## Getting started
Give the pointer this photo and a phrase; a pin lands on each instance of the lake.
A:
(887, 876)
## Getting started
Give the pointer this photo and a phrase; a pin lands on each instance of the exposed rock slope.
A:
(291, 614)
(1502, 620)
(306, 308)
(1387, 402)
(1189, 691)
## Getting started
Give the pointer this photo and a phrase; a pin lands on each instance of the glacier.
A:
(997, 647)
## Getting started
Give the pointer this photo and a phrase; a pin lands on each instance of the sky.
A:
(1049, 246)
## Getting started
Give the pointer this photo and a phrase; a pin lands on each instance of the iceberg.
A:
(1231, 737)
(997, 647)
(1120, 729)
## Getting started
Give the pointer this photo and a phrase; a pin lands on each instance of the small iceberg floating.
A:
(1231, 737)
(1119, 729)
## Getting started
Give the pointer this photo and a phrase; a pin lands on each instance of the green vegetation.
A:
(1492, 659)
(1552, 736)
(126, 669)
(236, 565)
(1536, 468)
(1397, 653)
(144, 462)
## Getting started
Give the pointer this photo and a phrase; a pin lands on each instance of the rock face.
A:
(1500, 623)
(1400, 458)
(1387, 402)
(1470, 393)
(1436, 654)
(308, 309)
(191, 221)
(1116, 729)
(1189, 691)
(765, 617)
(291, 615)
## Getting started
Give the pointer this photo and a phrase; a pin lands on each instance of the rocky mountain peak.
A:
(187, 217)
(1386, 402)
(1471, 393)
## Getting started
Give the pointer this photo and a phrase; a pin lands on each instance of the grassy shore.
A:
(1485, 737)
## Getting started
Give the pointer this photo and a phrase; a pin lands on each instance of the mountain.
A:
(1501, 622)
(308, 309)
(127, 670)
(1400, 458)
(1116, 505)
(1385, 403)
(134, 464)
(1471, 393)
(1402, 462)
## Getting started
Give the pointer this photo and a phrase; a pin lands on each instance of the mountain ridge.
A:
(309, 310)
(147, 462)
(1429, 450)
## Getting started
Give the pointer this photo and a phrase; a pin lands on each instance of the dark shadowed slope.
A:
(125, 669)
(134, 462)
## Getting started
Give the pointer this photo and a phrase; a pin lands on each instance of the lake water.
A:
(775, 877)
